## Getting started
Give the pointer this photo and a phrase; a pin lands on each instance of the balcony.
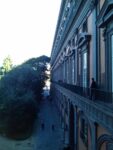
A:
(99, 110)
(91, 94)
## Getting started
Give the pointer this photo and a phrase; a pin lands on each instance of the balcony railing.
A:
(92, 94)
(98, 112)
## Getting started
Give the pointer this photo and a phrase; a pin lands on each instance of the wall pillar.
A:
(93, 136)
(66, 129)
(66, 137)
(75, 128)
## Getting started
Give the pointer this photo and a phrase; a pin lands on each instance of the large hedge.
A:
(19, 90)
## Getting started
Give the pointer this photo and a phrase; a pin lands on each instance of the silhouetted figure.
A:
(67, 148)
(53, 127)
(93, 87)
(43, 126)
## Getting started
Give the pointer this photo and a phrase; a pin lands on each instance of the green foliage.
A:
(7, 64)
(6, 67)
(17, 100)
(39, 64)
(35, 61)
(20, 93)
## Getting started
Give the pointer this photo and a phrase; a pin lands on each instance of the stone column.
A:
(66, 136)
(75, 128)
(94, 135)
(66, 128)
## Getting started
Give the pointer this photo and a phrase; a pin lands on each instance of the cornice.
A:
(106, 14)
(74, 11)
(58, 22)
(78, 18)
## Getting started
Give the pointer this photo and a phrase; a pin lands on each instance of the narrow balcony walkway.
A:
(46, 138)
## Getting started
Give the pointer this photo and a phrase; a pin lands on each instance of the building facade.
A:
(83, 49)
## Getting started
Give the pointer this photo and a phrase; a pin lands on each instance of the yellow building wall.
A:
(100, 132)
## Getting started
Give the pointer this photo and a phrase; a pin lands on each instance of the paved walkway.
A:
(42, 139)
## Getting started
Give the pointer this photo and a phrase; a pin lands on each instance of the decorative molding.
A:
(106, 14)
(67, 25)
(92, 4)
(104, 138)
(69, 51)
(83, 38)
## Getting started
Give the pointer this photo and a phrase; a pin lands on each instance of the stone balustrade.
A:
(97, 112)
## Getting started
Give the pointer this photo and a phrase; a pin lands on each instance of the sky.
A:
(27, 28)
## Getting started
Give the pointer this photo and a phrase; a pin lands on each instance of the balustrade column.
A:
(66, 129)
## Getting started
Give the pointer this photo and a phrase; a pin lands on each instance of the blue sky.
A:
(27, 28)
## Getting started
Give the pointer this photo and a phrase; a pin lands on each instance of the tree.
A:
(39, 62)
(7, 64)
(20, 93)
(18, 101)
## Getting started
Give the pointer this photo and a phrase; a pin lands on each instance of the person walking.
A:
(53, 127)
(93, 87)
(42, 126)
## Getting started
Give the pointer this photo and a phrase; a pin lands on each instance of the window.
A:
(84, 132)
(112, 59)
(84, 70)
(79, 69)
(84, 27)
(73, 42)
(73, 69)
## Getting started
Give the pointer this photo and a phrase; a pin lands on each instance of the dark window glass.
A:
(84, 132)
(84, 28)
